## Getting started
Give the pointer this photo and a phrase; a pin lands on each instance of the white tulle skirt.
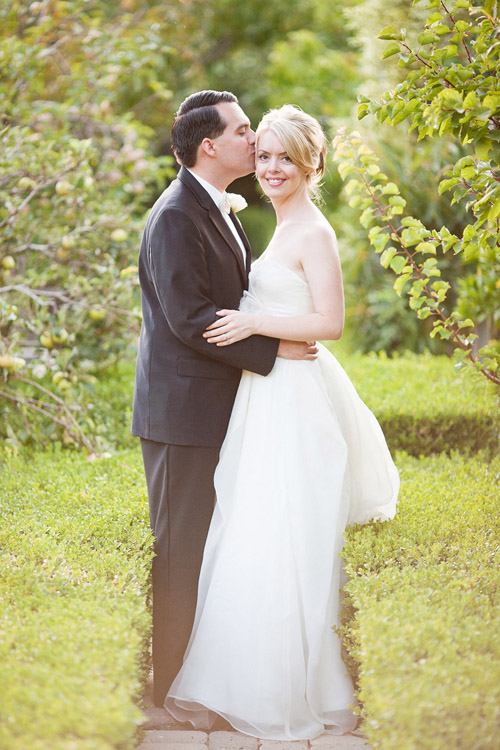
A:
(303, 458)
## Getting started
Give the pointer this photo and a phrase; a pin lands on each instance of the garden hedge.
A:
(424, 590)
(74, 584)
(423, 404)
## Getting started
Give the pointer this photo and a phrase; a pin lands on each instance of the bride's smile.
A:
(278, 176)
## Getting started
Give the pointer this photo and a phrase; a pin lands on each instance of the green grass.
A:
(424, 602)
(74, 583)
(76, 550)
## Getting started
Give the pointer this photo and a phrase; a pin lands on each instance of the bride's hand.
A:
(231, 326)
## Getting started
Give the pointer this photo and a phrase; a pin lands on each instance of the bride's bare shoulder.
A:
(318, 234)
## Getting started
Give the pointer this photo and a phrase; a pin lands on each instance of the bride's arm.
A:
(321, 265)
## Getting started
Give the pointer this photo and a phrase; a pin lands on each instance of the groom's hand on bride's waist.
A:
(297, 349)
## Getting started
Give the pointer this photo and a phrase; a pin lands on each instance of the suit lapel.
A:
(218, 220)
(231, 240)
(244, 239)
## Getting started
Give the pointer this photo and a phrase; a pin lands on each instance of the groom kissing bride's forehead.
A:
(194, 261)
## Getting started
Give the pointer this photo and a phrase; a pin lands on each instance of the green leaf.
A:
(416, 302)
(410, 221)
(397, 263)
(405, 112)
(363, 111)
(439, 285)
(464, 74)
(430, 268)
(380, 241)
(451, 98)
(418, 287)
(390, 189)
(406, 59)
(468, 173)
(390, 32)
(483, 148)
(426, 37)
(366, 218)
(445, 185)
(440, 288)
(471, 100)
(411, 236)
(390, 50)
(441, 29)
(345, 169)
(387, 256)
(424, 313)
(494, 210)
(397, 200)
(444, 333)
(400, 283)
(448, 240)
(492, 102)
(426, 247)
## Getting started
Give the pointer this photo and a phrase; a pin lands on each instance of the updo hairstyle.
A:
(302, 138)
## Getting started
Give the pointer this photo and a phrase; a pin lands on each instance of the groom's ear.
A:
(208, 147)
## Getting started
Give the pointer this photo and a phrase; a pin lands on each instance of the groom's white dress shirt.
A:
(220, 199)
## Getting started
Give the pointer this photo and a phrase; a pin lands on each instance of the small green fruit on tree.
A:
(68, 225)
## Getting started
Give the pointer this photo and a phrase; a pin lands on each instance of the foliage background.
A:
(88, 91)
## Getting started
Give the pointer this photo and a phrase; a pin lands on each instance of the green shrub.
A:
(74, 622)
(424, 405)
(110, 403)
(425, 592)
(422, 402)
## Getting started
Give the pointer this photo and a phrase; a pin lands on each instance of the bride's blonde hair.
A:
(302, 138)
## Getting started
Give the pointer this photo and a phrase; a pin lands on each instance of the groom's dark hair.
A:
(197, 118)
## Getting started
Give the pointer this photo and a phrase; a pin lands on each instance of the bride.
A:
(303, 457)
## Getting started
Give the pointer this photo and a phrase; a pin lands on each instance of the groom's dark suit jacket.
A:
(190, 265)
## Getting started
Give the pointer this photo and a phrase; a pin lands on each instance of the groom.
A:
(194, 260)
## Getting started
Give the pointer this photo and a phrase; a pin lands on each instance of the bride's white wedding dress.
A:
(303, 457)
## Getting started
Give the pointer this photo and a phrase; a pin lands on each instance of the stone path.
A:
(171, 739)
(160, 734)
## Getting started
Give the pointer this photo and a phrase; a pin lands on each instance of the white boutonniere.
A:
(236, 202)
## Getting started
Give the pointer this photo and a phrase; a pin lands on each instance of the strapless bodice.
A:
(277, 290)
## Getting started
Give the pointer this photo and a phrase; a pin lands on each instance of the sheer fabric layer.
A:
(303, 457)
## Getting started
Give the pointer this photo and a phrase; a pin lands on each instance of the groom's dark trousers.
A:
(190, 266)
(181, 500)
